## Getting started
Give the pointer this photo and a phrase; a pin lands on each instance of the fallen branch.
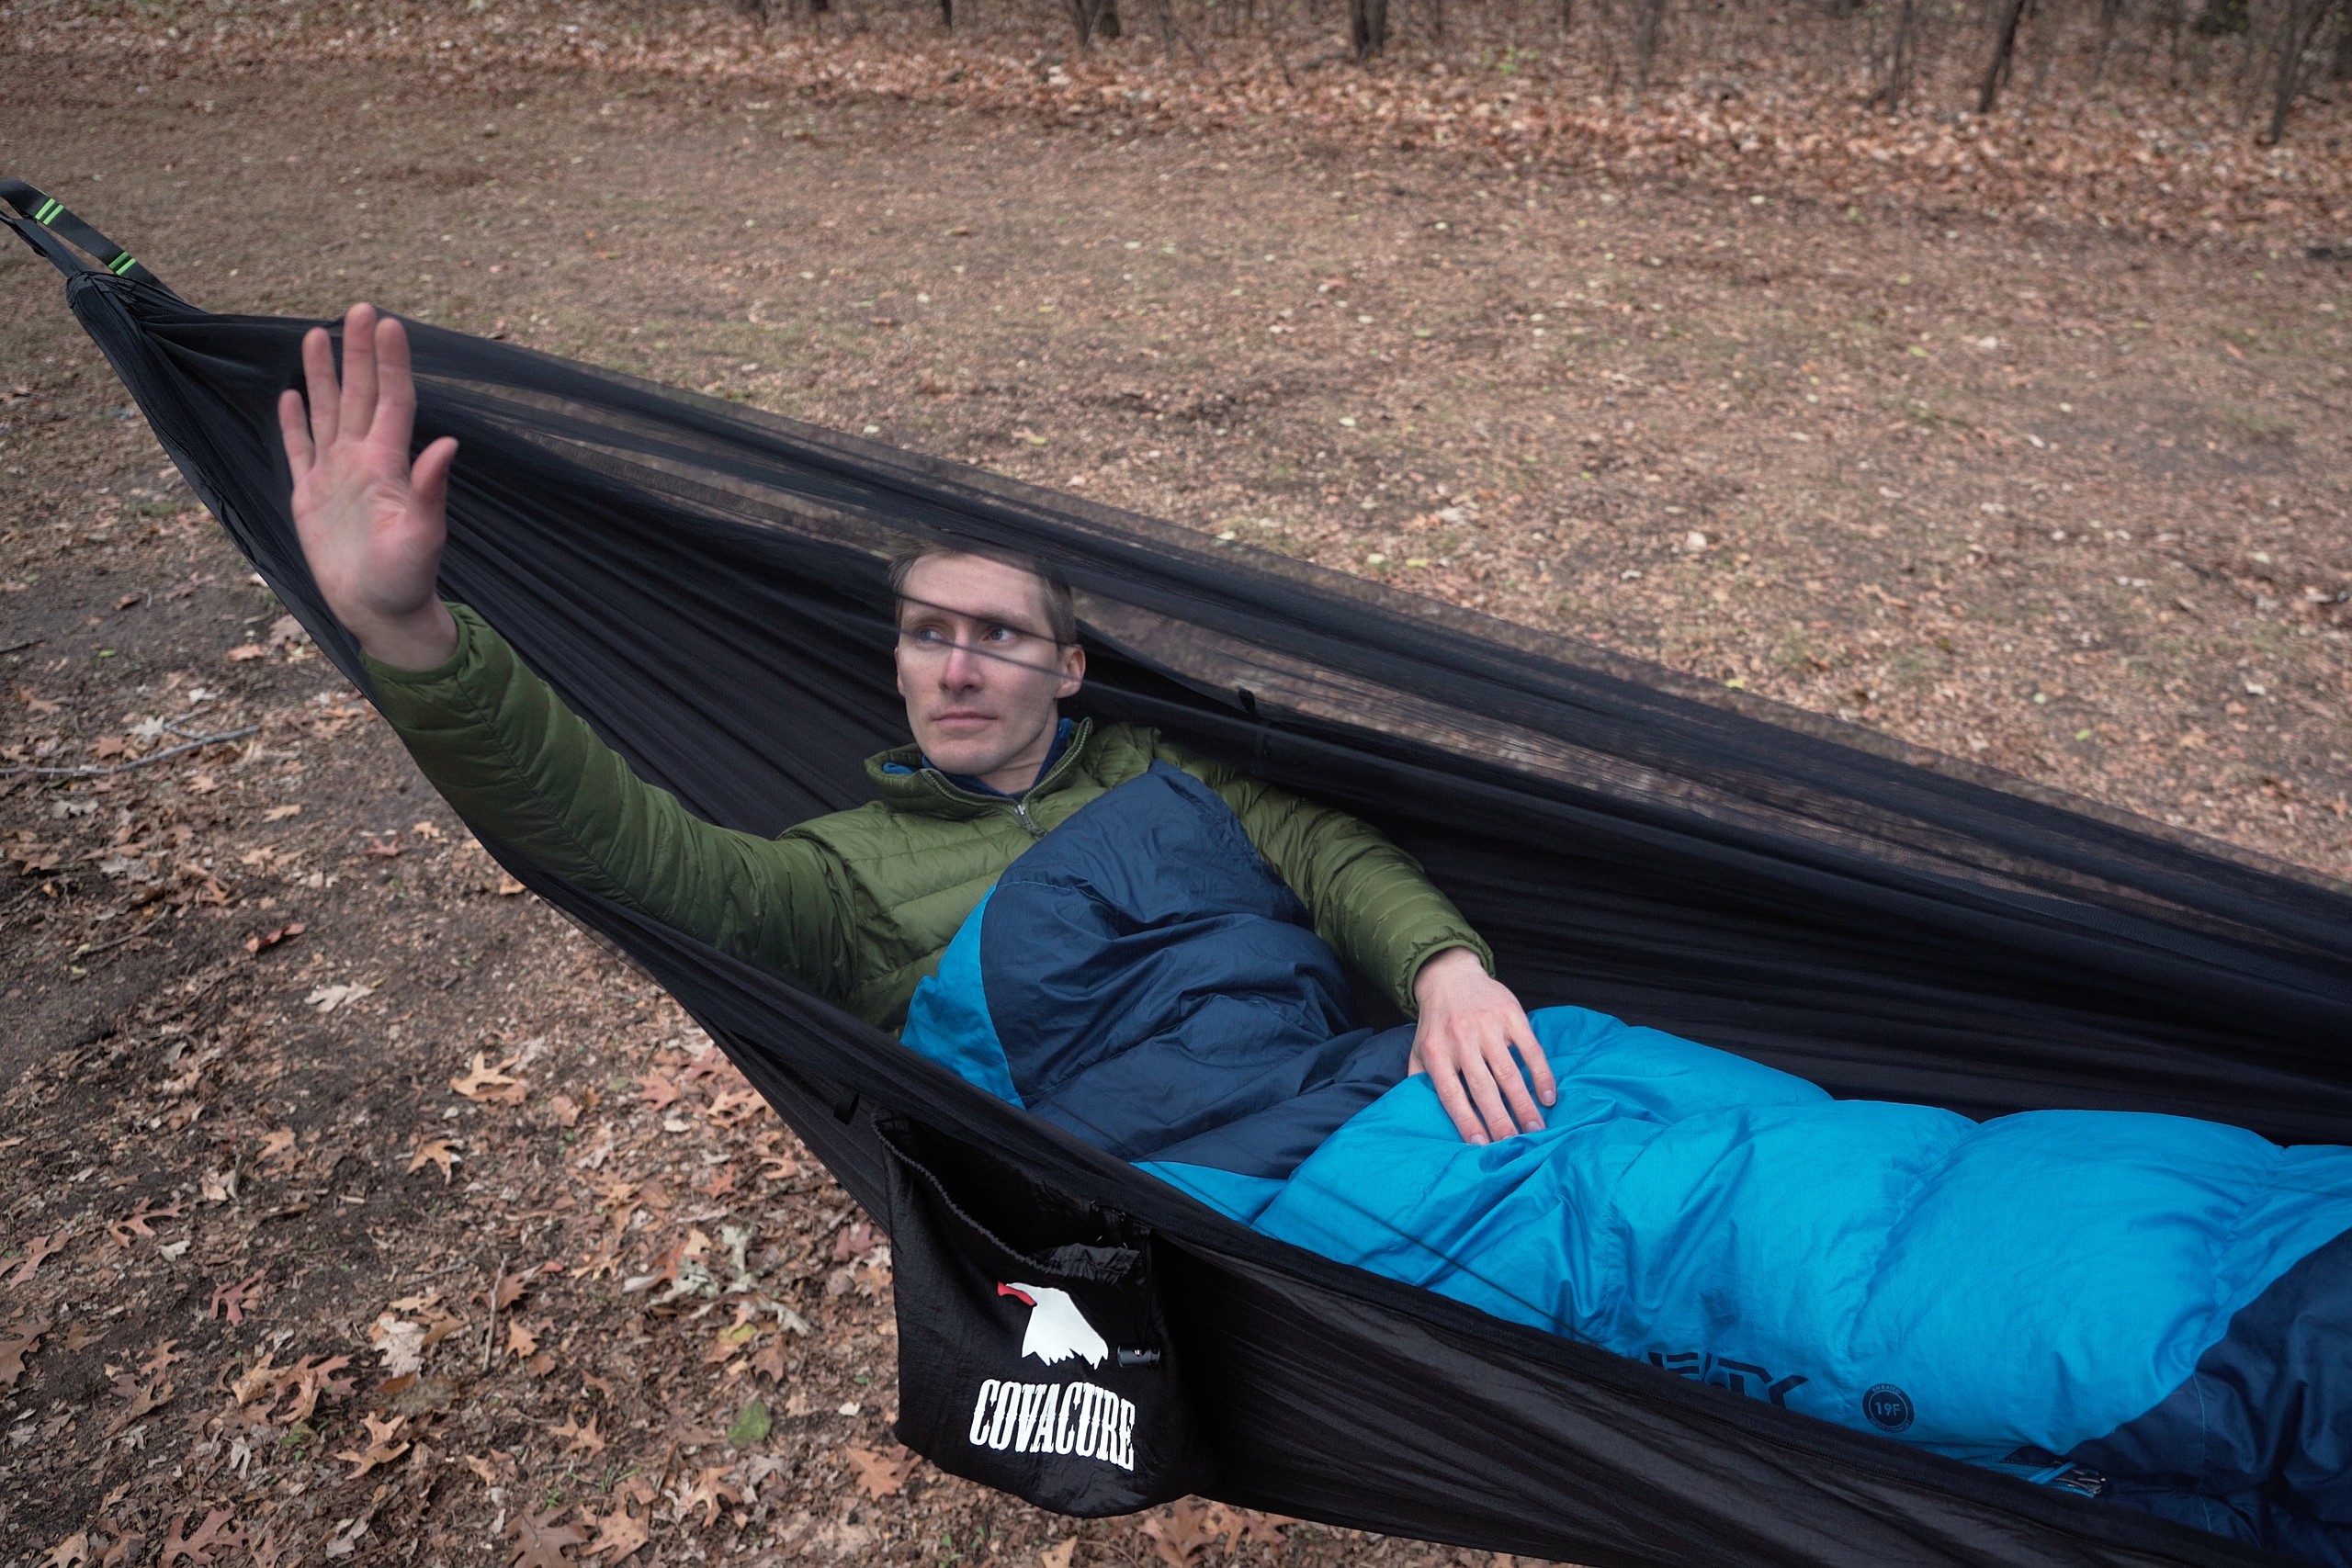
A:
(92, 770)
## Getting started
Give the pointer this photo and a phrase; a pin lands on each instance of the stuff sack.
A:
(1033, 1353)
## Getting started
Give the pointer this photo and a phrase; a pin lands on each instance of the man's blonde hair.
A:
(1055, 595)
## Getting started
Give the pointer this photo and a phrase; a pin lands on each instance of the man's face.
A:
(980, 670)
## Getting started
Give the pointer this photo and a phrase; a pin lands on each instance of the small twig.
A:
(92, 771)
(491, 1335)
(86, 949)
(20, 646)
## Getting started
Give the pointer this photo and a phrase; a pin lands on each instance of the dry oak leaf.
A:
(539, 1542)
(881, 1472)
(276, 1145)
(212, 1536)
(619, 1532)
(268, 939)
(433, 1150)
(709, 1490)
(659, 1091)
(482, 1081)
(71, 1552)
(152, 1397)
(16, 1344)
(380, 1448)
(580, 1439)
(1180, 1532)
(521, 1342)
(1060, 1555)
(135, 1223)
(160, 1358)
(326, 998)
(36, 1249)
(231, 1300)
(309, 1380)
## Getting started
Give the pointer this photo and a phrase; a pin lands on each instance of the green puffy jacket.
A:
(857, 906)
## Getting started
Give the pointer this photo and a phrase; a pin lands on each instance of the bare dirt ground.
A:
(357, 1210)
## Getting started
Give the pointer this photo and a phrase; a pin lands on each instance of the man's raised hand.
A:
(1470, 1023)
(371, 523)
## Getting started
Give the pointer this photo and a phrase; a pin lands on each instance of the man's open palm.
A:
(372, 524)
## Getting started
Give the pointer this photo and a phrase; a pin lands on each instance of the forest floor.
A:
(359, 1209)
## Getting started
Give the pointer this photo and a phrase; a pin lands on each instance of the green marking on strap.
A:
(122, 263)
(49, 209)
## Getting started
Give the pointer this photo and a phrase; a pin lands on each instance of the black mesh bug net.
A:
(703, 583)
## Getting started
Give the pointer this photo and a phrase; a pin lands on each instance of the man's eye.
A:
(1003, 633)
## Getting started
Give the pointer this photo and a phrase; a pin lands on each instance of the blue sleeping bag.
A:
(2161, 1300)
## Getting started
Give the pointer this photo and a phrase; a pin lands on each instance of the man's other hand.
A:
(372, 525)
(1469, 1023)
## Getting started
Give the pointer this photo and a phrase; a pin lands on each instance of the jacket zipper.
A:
(1020, 803)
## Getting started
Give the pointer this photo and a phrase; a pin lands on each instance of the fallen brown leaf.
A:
(580, 1439)
(881, 1472)
(143, 1399)
(213, 1535)
(619, 1532)
(15, 1346)
(36, 1249)
(260, 941)
(433, 1150)
(379, 1448)
(539, 1541)
(482, 1081)
(709, 1490)
(231, 1300)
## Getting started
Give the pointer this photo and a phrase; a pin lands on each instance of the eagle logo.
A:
(1057, 1330)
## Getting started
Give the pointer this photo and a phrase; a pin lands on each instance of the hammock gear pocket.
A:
(1034, 1350)
(704, 583)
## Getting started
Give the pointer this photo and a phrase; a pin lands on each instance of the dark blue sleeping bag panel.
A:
(1160, 992)
(2163, 1301)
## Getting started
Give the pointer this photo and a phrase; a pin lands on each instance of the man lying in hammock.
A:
(1139, 946)
(856, 906)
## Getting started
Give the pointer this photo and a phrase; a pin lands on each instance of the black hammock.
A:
(701, 581)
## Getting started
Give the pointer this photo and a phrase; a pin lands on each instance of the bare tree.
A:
(1902, 57)
(2005, 53)
(1092, 16)
(1367, 28)
(1648, 22)
(2299, 25)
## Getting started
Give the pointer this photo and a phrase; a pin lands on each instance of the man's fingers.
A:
(429, 482)
(318, 375)
(1514, 1088)
(396, 388)
(294, 425)
(1448, 1084)
(358, 371)
(1487, 1096)
(1539, 1066)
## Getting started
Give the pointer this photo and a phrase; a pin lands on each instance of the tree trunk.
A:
(2297, 31)
(1367, 28)
(2110, 12)
(948, 15)
(1092, 16)
(2340, 68)
(1902, 59)
(1568, 16)
(2005, 50)
(1651, 21)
